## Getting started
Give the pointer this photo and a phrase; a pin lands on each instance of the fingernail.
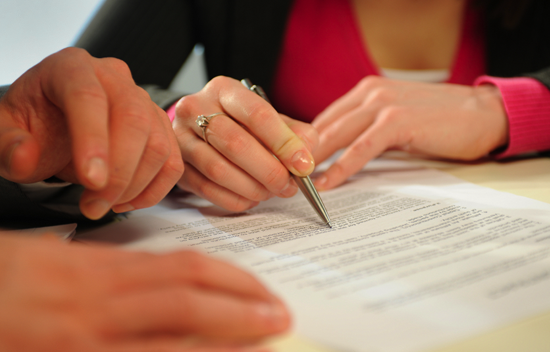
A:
(123, 208)
(275, 315)
(290, 189)
(302, 162)
(96, 208)
(97, 172)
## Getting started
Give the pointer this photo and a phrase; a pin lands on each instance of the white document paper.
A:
(416, 259)
(64, 232)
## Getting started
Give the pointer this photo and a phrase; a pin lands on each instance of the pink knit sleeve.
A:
(527, 104)
(171, 112)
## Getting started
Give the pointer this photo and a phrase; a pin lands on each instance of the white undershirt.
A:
(428, 76)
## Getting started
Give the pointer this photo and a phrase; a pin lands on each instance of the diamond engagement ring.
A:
(203, 122)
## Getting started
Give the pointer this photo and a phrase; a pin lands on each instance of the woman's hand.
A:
(72, 297)
(236, 168)
(441, 120)
(85, 121)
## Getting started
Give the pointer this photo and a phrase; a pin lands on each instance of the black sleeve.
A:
(521, 49)
(17, 210)
(3, 90)
(154, 37)
(542, 75)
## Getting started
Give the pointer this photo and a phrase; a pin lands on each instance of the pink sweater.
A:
(323, 57)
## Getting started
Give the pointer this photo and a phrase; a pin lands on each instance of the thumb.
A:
(19, 155)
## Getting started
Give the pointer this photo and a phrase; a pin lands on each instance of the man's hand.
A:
(85, 121)
(72, 297)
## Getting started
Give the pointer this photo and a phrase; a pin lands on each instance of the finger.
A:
(159, 187)
(341, 106)
(155, 154)
(19, 152)
(342, 132)
(177, 344)
(305, 131)
(126, 271)
(263, 122)
(130, 128)
(165, 180)
(193, 311)
(242, 149)
(223, 172)
(184, 267)
(72, 85)
(161, 148)
(385, 133)
(195, 182)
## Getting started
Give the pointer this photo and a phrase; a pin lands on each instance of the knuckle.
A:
(159, 148)
(176, 167)
(381, 95)
(195, 264)
(276, 178)
(311, 137)
(332, 132)
(337, 169)
(236, 143)
(360, 146)
(391, 115)
(117, 65)
(216, 171)
(74, 52)
(369, 82)
(261, 115)
(217, 83)
(142, 93)
(186, 105)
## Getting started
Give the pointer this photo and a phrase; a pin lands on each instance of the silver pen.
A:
(304, 183)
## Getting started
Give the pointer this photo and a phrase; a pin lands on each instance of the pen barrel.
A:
(309, 191)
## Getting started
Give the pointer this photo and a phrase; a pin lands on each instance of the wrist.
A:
(490, 101)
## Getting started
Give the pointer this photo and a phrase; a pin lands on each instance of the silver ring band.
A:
(203, 121)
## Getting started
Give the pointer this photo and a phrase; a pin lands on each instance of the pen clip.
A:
(256, 89)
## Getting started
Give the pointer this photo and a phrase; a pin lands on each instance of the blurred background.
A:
(34, 29)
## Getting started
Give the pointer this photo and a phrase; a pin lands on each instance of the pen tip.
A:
(329, 224)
